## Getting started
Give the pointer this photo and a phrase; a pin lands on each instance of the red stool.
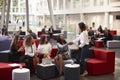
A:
(99, 43)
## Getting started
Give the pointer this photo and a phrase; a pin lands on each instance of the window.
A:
(86, 3)
(76, 3)
(98, 2)
(67, 4)
(15, 3)
(61, 4)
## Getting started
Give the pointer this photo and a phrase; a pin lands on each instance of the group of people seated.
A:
(49, 31)
(4, 33)
(44, 50)
(33, 53)
(99, 34)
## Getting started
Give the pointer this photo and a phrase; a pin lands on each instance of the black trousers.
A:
(27, 60)
(80, 58)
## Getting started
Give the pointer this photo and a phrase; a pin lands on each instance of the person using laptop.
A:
(44, 48)
(62, 52)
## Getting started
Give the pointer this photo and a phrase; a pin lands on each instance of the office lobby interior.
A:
(36, 17)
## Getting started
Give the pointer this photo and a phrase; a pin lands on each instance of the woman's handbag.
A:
(66, 56)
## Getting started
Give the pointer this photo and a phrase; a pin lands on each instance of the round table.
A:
(72, 72)
(21, 74)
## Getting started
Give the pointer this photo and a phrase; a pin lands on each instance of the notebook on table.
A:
(46, 61)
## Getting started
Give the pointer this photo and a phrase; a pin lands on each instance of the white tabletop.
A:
(72, 65)
(21, 70)
(46, 65)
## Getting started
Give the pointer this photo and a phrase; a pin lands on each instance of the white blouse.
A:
(30, 50)
(83, 38)
(45, 48)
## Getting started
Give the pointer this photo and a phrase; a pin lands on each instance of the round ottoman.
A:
(21, 74)
(72, 72)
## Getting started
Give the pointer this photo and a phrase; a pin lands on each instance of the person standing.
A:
(4, 29)
(82, 49)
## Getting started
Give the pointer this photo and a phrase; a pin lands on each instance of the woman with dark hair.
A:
(15, 50)
(44, 48)
(82, 48)
(62, 51)
(100, 29)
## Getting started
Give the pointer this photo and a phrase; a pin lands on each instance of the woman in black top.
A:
(100, 29)
(15, 50)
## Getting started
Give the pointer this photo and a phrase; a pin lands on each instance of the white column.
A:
(106, 2)
(27, 14)
(82, 17)
(91, 3)
(71, 4)
(106, 19)
(58, 5)
(51, 14)
(52, 3)
(8, 13)
(3, 12)
(64, 4)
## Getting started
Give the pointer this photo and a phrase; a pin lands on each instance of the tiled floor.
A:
(112, 76)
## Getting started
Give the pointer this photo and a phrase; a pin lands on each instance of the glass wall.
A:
(22, 4)
(15, 6)
(76, 4)
(68, 4)
(86, 3)
(98, 2)
(60, 4)
(0, 5)
(54, 4)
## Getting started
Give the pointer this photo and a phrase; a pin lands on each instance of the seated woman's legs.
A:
(59, 62)
(36, 59)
